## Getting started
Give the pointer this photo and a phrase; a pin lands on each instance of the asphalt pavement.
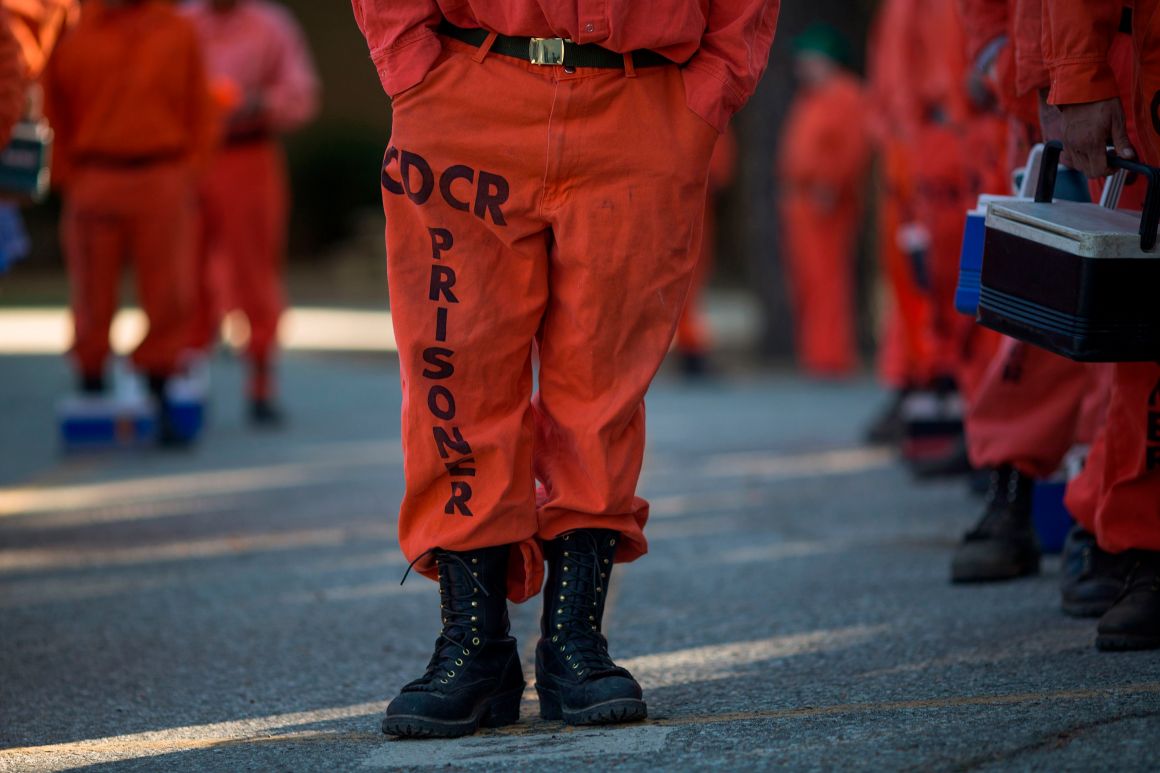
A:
(238, 607)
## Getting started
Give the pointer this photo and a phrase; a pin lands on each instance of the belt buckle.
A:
(546, 51)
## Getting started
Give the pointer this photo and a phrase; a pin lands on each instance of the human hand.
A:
(1050, 119)
(1087, 130)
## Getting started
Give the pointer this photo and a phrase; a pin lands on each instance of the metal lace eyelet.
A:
(476, 603)
(561, 648)
(606, 562)
(561, 597)
(600, 590)
(559, 626)
(567, 537)
(458, 662)
(475, 560)
(475, 641)
(467, 652)
(450, 674)
(444, 681)
(580, 674)
(564, 583)
(474, 619)
(565, 554)
(559, 611)
(475, 574)
(567, 657)
(611, 542)
(566, 568)
(555, 637)
(603, 576)
(592, 617)
(575, 666)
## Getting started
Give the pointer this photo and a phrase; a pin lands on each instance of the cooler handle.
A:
(1149, 220)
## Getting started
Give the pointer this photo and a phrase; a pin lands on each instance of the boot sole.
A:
(499, 711)
(614, 712)
(1126, 642)
(975, 575)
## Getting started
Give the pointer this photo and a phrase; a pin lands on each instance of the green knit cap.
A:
(821, 38)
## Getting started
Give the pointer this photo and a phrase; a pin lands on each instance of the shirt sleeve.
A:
(401, 37)
(721, 77)
(12, 81)
(291, 96)
(1077, 35)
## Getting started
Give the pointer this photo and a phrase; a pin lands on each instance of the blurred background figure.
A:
(822, 167)
(265, 84)
(694, 338)
(128, 100)
(29, 30)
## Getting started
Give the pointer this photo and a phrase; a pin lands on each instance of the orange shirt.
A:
(825, 142)
(128, 83)
(12, 83)
(37, 25)
(724, 44)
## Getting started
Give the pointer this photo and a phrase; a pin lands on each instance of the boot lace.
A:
(578, 607)
(998, 505)
(459, 636)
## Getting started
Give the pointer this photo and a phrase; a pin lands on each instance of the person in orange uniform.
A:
(693, 338)
(262, 73)
(29, 30)
(544, 189)
(822, 166)
(1124, 464)
(127, 97)
(915, 66)
(1032, 406)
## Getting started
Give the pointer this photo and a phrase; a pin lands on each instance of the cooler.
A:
(1076, 279)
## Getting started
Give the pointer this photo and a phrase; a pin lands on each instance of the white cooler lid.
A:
(1086, 230)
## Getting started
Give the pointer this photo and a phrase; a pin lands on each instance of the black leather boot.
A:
(168, 434)
(1092, 579)
(575, 677)
(1133, 622)
(1002, 546)
(474, 677)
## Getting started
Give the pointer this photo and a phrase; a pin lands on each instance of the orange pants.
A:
(1118, 494)
(906, 353)
(819, 250)
(529, 206)
(244, 204)
(114, 215)
(692, 328)
(1032, 407)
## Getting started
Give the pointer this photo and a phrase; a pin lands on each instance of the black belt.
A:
(552, 51)
(113, 161)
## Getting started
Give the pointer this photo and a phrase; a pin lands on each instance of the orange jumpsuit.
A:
(821, 168)
(692, 330)
(1032, 406)
(914, 70)
(254, 51)
(126, 94)
(543, 207)
(1118, 493)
